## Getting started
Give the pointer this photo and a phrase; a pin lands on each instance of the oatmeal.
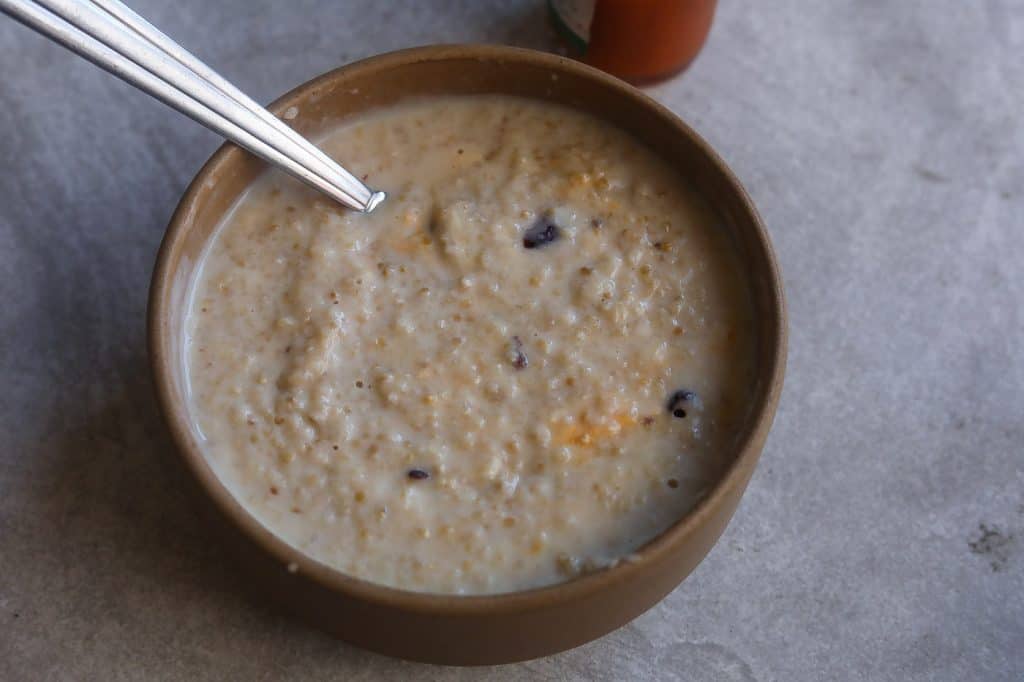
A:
(527, 363)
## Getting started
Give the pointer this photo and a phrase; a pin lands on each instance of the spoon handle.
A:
(112, 36)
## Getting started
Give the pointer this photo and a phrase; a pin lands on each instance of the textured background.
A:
(882, 537)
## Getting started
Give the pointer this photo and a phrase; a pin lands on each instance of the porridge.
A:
(523, 366)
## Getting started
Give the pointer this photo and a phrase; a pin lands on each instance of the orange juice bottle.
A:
(638, 40)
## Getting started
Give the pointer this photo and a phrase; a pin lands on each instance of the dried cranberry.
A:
(677, 400)
(542, 233)
(519, 359)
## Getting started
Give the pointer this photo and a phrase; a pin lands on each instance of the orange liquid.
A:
(648, 40)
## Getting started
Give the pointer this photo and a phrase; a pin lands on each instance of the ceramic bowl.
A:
(445, 628)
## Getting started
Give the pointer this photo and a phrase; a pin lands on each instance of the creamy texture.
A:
(472, 389)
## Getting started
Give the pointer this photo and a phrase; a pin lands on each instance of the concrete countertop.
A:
(882, 537)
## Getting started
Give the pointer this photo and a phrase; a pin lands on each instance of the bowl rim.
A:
(175, 415)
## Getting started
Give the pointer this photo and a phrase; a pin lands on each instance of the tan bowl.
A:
(468, 629)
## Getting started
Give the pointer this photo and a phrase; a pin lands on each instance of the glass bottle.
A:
(641, 41)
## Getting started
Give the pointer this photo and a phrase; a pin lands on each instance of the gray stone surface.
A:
(881, 538)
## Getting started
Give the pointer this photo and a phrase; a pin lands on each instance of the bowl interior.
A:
(316, 107)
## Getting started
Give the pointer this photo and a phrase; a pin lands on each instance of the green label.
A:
(572, 18)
